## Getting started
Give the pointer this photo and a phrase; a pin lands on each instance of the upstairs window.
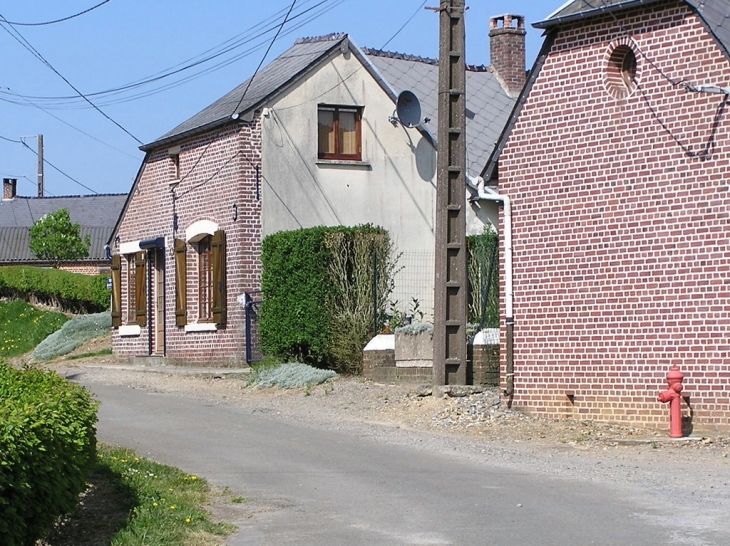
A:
(339, 132)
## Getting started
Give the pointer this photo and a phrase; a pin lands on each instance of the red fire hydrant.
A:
(673, 396)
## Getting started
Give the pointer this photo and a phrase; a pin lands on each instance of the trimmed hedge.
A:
(295, 322)
(71, 291)
(317, 293)
(47, 448)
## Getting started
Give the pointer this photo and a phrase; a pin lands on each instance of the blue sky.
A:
(126, 41)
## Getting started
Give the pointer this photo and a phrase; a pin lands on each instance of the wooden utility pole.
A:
(450, 297)
(40, 165)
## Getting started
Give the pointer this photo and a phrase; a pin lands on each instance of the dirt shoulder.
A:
(352, 399)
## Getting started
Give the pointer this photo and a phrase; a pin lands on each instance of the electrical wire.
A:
(268, 49)
(200, 157)
(343, 80)
(244, 93)
(58, 20)
(10, 140)
(193, 62)
(628, 34)
(22, 41)
(60, 171)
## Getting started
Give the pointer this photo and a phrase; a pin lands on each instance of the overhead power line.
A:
(71, 178)
(58, 20)
(105, 97)
(22, 41)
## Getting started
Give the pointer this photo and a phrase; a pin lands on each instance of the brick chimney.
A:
(507, 51)
(9, 188)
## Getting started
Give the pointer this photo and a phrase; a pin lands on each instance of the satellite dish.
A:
(408, 109)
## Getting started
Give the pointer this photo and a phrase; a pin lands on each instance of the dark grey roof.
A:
(97, 215)
(488, 105)
(305, 53)
(715, 13)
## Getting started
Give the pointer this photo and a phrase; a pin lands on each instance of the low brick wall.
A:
(380, 365)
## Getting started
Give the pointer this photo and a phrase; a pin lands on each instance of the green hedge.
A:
(47, 448)
(483, 276)
(317, 283)
(294, 318)
(68, 290)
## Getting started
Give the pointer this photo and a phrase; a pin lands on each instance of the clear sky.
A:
(125, 42)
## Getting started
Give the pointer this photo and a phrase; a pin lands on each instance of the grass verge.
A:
(22, 327)
(148, 504)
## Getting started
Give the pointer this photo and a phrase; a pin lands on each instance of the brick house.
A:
(616, 163)
(96, 214)
(312, 139)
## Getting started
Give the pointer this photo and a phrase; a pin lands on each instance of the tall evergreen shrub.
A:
(483, 278)
(318, 305)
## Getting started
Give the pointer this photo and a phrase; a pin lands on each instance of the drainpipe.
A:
(488, 194)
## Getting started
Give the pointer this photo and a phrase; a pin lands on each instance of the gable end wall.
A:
(226, 175)
(622, 263)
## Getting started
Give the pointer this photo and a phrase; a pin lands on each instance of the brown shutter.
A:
(116, 291)
(218, 247)
(140, 277)
(181, 289)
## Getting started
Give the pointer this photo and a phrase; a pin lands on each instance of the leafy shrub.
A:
(483, 278)
(361, 270)
(64, 289)
(318, 299)
(290, 376)
(73, 334)
(295, 323)
(22, 327)
(47, 448)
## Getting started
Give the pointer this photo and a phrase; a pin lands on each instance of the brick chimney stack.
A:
(507, 50)
(9, 188)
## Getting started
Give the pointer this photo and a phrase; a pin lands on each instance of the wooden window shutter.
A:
(116, 291)
(181, 289)
(218, 248)
(140, 277)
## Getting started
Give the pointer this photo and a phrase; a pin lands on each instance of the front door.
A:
(158, 311)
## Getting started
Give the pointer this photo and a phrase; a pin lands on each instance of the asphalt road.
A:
(339, 487)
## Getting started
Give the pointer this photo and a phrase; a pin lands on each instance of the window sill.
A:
(344, 163)
(201, 327)
(130, 330)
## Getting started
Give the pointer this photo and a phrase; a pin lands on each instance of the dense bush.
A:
(73, 334)
(47, 448)
(483, 277)
(294, 319)
(318, 299)
(64, 289)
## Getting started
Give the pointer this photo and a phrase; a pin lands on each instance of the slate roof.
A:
(488, 105)
(97, 215)
(715, 13)
(287, 67)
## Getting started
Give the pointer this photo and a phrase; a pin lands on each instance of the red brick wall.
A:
(223, 175)
(621, 226)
